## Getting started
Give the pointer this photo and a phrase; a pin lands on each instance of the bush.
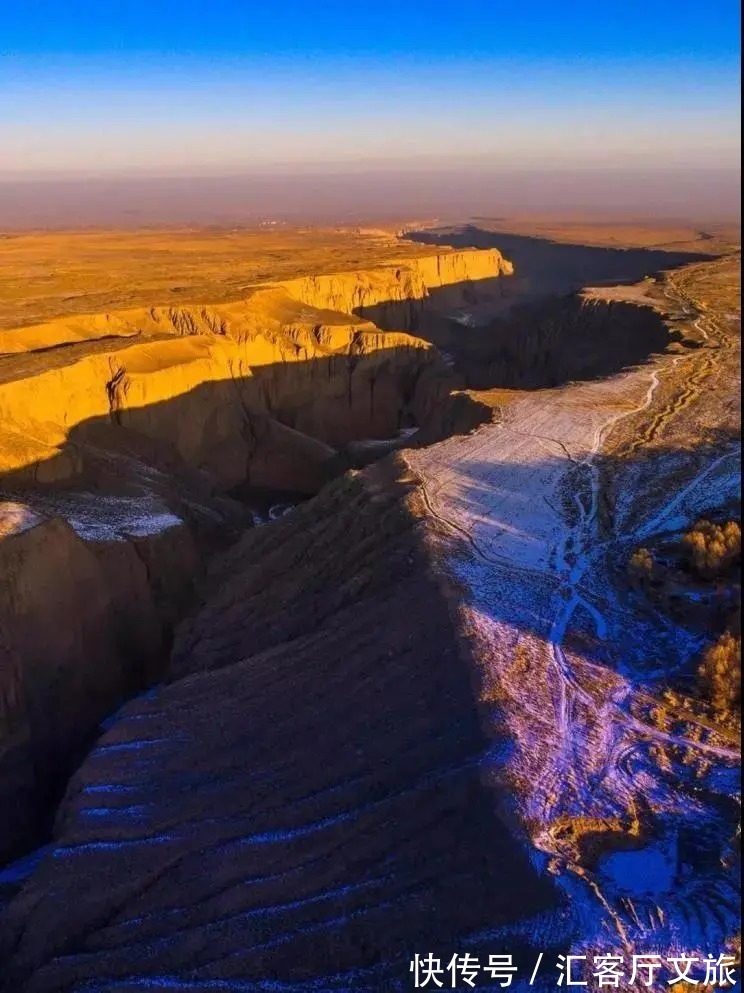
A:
(713, 548)
(641, 564)
(720, 672)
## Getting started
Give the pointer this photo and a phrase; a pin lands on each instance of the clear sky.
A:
(213, 86)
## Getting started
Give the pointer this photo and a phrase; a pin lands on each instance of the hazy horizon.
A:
(349, 197)
(545, 107)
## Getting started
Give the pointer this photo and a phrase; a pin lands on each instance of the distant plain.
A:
(48, 274)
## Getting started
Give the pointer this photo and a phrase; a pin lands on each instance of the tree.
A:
(720, 672)
(713, 548)
(641, 564)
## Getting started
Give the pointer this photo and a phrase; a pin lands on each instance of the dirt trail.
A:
(525, 495)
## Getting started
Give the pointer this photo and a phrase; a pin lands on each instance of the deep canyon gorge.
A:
(415, 709)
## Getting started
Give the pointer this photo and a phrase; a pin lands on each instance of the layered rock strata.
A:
(121, 436)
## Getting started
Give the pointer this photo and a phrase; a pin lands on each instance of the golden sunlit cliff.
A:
(128, 442)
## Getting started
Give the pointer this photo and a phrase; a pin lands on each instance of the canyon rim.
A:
(370, 504)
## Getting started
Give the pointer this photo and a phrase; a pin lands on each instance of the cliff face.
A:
(118, 435)
(213, 397)
(398, 293)
(560, 340)
(289, 353)
(416, 280)
(305, 800)
(82, 630)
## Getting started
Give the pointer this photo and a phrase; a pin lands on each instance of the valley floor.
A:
(539, 513)
(419, 714)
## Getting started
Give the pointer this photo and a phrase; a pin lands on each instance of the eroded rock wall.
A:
(84, 626)
(120, 431)
(395, 295)
(304, 803)
(226, 401)
(558, 340)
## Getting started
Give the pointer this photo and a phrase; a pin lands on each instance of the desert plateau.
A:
(361, 594)
(370, 497)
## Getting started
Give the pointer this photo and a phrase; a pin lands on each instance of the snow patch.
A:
(93, 516)
(17, 517)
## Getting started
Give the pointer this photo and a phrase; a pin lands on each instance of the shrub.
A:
(713, 548)
(720, 672)
(641, 564)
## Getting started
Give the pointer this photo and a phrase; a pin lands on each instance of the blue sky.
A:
(178, 86)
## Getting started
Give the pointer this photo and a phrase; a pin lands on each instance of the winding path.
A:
(533, 560)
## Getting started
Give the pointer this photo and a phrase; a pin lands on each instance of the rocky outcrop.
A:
(222, 400)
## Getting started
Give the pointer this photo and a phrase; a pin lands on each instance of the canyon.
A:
(132, 443)
(415, 710)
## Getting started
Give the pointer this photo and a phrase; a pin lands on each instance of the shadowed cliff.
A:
(305, 800)
(558, 340)
(143, 485)
(124, 436)
(308, 808)
(545, 266)
(104, 539)
(534, 330)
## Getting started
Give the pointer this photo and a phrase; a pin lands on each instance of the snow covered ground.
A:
(93, 516)
(16, 517)
(565, 663)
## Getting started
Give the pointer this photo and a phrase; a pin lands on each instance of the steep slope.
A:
(579, 337)
(423, 713)
(81, 630)
(120, 436)
(398, 295)
(233, 852)
(215, 393)
(91, 584)
(122, 362)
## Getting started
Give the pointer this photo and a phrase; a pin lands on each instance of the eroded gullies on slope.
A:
(309, 603)
(136, 444)
(303, 800)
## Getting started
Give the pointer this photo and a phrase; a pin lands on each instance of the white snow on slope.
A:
(518, 504)
(92, 516)
(16, 517)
